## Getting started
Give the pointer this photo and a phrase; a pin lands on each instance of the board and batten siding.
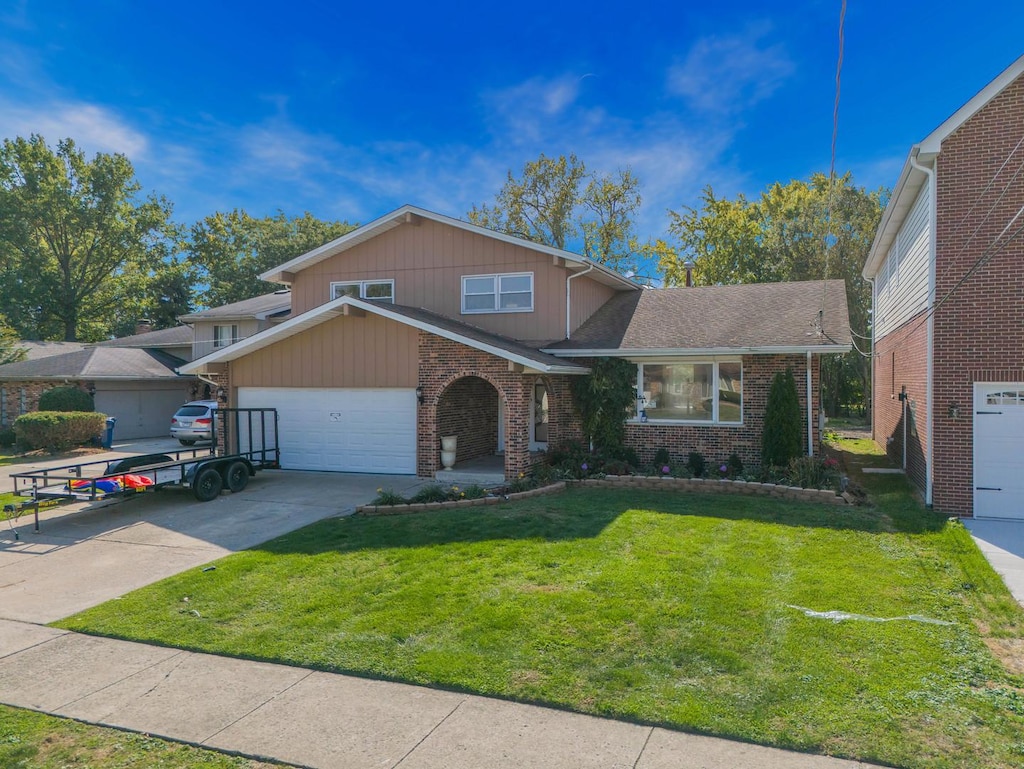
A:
(902, 283)
(427, 261)
(343, 352)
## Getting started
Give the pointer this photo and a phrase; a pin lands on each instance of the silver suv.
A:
(193, 422)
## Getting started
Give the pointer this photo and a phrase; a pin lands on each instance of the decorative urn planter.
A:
(449, 445)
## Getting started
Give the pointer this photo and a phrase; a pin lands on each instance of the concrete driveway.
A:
(1002, 542)
(88, 553)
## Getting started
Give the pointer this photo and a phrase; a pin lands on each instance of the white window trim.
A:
(714, 421)
(497, 278)
(219, 342)
(362, 289)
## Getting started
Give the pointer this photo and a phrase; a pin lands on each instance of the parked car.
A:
(193, 422)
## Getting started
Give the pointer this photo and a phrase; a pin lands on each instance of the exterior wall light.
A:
(419, 394)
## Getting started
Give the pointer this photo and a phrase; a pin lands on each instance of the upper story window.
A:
(511, 292)
(225, 335)
(709, 392)
(370, 290)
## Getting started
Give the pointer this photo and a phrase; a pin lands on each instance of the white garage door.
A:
(348, 430)
(999, 450)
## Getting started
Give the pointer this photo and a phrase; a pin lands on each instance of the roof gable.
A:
(407, 215)
(514, 352)
(912, 178)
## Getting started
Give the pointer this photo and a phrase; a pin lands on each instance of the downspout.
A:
(810, 409)
(568, 299)
(929, 471)
(871, 395)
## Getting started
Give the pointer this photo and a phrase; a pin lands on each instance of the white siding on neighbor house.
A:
(902, 283)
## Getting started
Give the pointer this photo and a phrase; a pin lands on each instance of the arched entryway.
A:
(468, 409)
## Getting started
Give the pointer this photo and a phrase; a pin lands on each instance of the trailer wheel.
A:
(236, 477)
(207, 485)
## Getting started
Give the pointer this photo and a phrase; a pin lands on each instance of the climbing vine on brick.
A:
(603, 399)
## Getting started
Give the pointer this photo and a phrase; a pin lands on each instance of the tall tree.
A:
(803, 230)
(70, 230)
(556, 202)
(10, 350)
(228, 251)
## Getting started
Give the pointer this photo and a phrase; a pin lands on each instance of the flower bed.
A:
(699, 485)
(491, 499)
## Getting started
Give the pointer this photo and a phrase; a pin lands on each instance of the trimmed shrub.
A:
(7, 437)
(696, 464)
(57, 430)
(661, 457)
(66, 399)
(781, 440)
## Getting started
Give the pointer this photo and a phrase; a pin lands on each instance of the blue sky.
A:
(349, 110)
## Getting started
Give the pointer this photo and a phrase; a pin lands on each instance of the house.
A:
(132, 379)
(948, 319)
(222, 326)
(417, 326)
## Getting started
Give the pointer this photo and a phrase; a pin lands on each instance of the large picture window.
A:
(700, 391)
(497, 293)
(370, 290)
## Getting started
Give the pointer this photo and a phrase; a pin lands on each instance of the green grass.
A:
(30, 740)
(655, 607)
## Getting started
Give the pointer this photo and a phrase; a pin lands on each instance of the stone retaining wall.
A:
(699, 485)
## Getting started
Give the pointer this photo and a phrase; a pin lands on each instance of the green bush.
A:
(66, 399)
(57, 430)
(661, 457)
(781, 440)
(814, 473)
(696, 464)
(433, 492)
(388, 496)
(7, 437)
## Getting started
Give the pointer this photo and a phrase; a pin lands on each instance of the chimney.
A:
(688, 266)
(145, 325)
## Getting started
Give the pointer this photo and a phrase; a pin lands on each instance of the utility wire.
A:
(832, 162)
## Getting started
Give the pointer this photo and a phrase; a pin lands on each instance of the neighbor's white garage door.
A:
(999, 450)
(347, 430)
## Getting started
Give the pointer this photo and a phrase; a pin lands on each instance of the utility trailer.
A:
(244, 441)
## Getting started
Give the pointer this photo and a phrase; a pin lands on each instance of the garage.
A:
(368, 430)
(999, 450)
(142, 409)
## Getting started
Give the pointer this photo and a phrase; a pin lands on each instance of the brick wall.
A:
(717, 442)
(442, 364)
(902, 361)
(979, 330)
(468, 408)
(21, 397)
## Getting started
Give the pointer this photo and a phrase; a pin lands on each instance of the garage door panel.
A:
(347, 430)
(999, 450)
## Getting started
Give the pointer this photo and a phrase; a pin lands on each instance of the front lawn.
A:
(31, 740)
(674, 609)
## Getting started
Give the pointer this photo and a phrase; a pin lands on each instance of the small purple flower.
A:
(666, 469)
(584, 466)
(723, 469)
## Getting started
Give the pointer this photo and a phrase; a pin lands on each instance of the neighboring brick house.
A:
(947, 266)
(417, 326)
(132, 379)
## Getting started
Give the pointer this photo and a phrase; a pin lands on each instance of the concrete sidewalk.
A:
(316, 719)
(1002, 543)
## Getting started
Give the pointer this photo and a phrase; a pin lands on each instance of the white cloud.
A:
(728, 74)
(94, 128)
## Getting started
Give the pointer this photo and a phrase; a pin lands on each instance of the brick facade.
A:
(22, 397)
(979, 329)
(717, 442)
(902, 361)
(444, 367)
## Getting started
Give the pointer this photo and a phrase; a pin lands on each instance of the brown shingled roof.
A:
(757, 316)
(97, 363)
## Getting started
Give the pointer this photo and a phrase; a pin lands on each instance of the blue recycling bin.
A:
(108, 436)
